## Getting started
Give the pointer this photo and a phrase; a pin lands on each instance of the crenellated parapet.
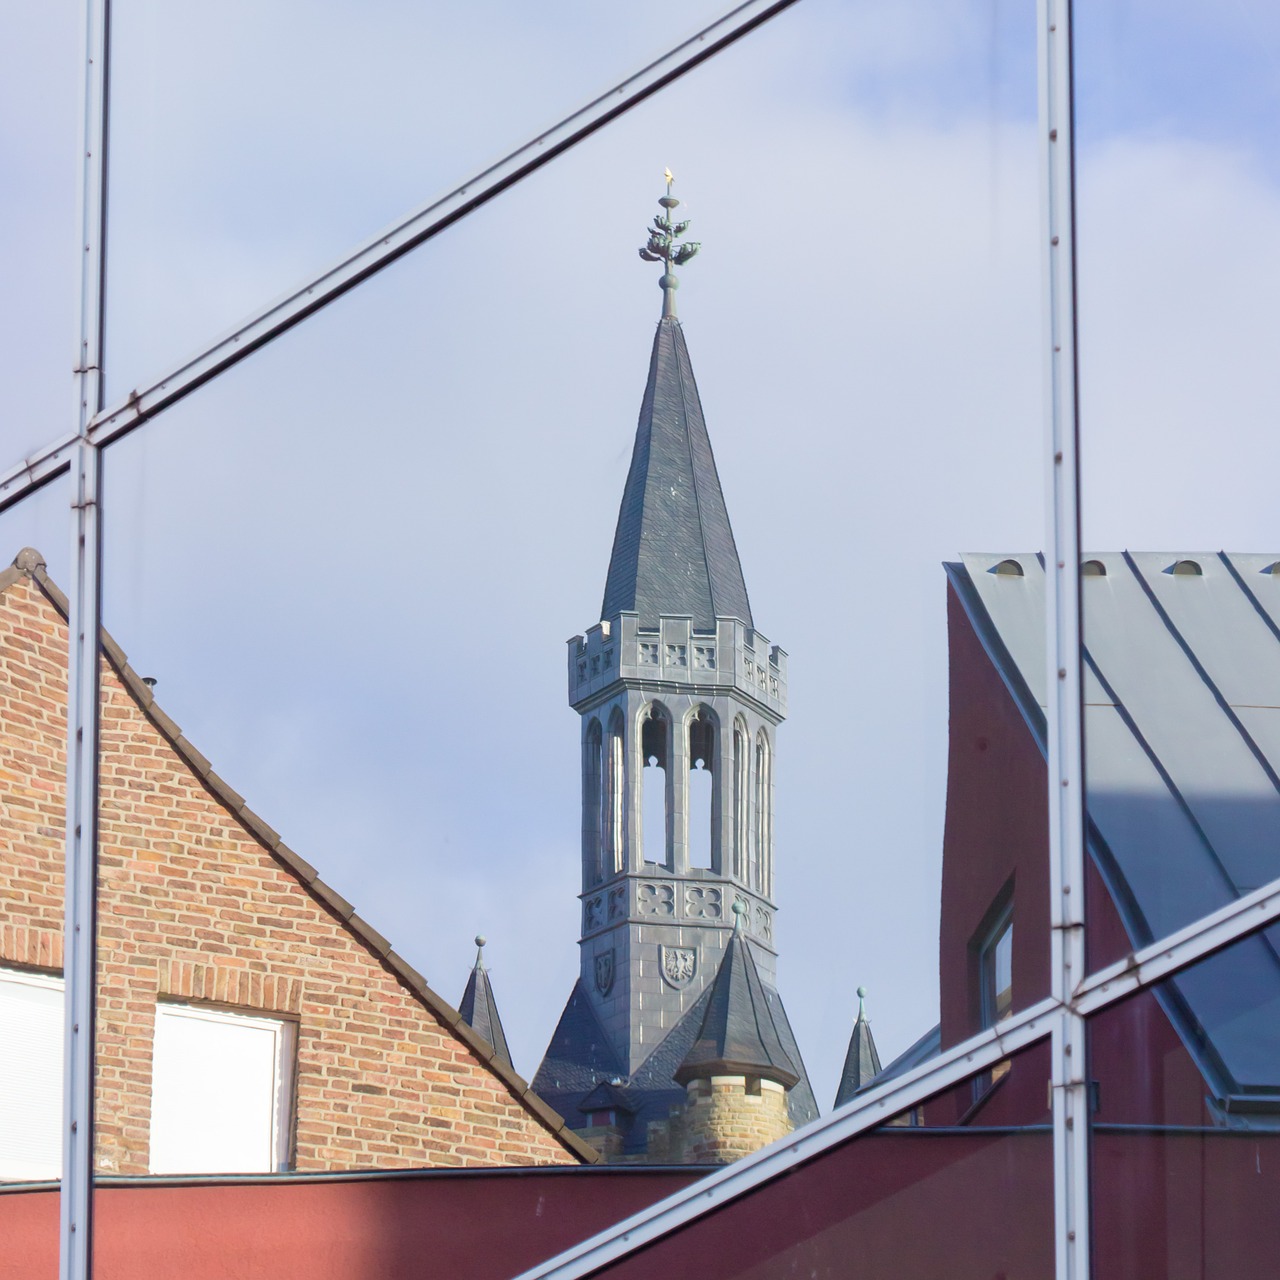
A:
(734, 658)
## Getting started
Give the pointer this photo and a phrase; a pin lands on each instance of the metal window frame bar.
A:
(1177, 951)
(367, 259)
(1065, 712)
(84, 624)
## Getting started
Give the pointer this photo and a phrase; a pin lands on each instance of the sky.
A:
(352, 562)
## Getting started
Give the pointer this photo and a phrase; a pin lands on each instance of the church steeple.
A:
(673, 551)
(680, 699)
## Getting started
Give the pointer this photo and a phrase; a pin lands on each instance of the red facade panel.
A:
(463, 1226)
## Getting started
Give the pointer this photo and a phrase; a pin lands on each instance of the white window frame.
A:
(284, 1031)
(43, 982)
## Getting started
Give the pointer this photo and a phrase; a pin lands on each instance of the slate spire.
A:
(673, 551)
(862, 1062)
(738, 1036)
(479, 1009)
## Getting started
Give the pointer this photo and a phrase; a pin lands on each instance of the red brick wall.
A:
(192, 905)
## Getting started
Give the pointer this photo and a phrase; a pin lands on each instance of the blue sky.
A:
(352, 562)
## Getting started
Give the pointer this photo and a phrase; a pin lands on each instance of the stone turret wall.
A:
(733, 658)
(728, 1117)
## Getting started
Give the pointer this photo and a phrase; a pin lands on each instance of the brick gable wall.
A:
(195, 905)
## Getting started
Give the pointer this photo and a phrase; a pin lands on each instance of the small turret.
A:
(479, 1009)
(737, 1074)
(862, 1062)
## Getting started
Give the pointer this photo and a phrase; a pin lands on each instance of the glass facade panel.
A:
(346, 568)
(924, 1195)
(253, 149)
(1178, 195)
(350, 562)
(39, 94)
(1186, 1147)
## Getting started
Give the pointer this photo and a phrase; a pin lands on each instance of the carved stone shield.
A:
(604, 972)
(679, 965)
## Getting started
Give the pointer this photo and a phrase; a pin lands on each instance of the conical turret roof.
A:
(862, 1062)
(479, 1009)
(738, 1036)
(673, 552)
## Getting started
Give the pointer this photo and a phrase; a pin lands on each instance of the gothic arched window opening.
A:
(741, 792)
(701, 807)
(762, 850)
(655, 816)
(592, 805)
(613, 858)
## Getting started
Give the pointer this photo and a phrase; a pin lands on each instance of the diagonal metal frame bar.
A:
(1153, 964)
(367, 259)
(1178, 951)
(870, 1111)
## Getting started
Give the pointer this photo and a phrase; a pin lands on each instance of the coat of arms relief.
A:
(679, 965)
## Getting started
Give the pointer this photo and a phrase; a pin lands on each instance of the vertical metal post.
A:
(83, 626)
(1062, 622)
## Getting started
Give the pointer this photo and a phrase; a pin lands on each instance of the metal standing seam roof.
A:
(1182, 764)
(673, 550)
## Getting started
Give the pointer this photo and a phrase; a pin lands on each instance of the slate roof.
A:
(1182, 732)
(862, 1061)
(737, 1035)
(673, 551)
(479, 1010)
(29, 563)
(579, 1058)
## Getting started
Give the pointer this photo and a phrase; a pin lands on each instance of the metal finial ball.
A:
(739, 907)
(862, 993)
(480, 939)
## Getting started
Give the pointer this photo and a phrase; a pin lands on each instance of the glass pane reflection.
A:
(929, 1194)
(1186, 1126)
(1179, 201)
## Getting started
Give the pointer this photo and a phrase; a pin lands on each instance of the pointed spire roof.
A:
(673, 551)
(479, 1009)
(862, 1062)
(738, 1036)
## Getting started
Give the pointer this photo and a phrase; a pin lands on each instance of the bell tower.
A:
(680, 699)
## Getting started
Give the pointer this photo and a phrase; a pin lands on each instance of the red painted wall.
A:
(997, 830)
(996, 834)
(457, 1225)
(902, 1204)
(978, 1205)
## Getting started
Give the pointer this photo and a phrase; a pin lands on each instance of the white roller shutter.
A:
(220, 1092)
(30, 1076)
